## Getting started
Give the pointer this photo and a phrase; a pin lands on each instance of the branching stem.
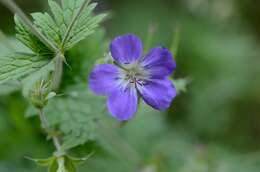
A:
(58, 70)
(58, 62)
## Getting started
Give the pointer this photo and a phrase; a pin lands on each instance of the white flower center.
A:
(133, 75)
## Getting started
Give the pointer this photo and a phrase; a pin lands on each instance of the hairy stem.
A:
(57, 76)
(46, 127)
(58, 70)
(16, 10)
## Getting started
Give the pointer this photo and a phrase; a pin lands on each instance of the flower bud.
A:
(41, 93)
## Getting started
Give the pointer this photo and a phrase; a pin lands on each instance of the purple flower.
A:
(132, 76)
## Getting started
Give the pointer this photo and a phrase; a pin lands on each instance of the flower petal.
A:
(122, 103)
(159, 62)
(126, 49)
(158, 93)
(103, 79)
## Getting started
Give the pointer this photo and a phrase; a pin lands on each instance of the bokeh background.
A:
(213, 126)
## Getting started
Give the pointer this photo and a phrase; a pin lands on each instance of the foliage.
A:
(72, 23)
(28, 39)
(76, 118)
(19, 65)
(213, 126)
(71, 15)
(177, 149)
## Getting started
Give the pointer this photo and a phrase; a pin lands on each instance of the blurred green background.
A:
(212, 127)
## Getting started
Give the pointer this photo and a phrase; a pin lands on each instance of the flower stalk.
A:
(46, 127)
(176, 40)
(57, 76)
(58, 70)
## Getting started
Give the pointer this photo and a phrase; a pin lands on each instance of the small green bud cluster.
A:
(41, 94)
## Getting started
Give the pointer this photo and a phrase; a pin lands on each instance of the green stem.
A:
(150, 35)
(58, 65)
(46, 127)
(62, 3)
(58, 70)
(176, 40)
(16, 10)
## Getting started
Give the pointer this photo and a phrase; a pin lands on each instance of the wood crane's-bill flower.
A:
(133, 75)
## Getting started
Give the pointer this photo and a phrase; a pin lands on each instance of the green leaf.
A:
(71, 23)
(85, 23)
(84, 27)
(54, 166)
(28, 39)
(50, 95)
(75, 115)
(41, 162)
(69, 165)
(77, 160)
(181, 84)
(58, 14)
(47, 26)
(19, 65)
(42, 74)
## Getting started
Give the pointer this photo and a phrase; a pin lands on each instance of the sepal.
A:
(41, 162)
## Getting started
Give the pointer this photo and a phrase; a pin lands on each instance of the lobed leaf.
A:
(41, 162)
(85, 23)
(28, 39)
(20, 65)
(47, 26)
(54, 166)
(72, 22)
(75, 115)
(84, 29)
(69, 165)
(181, 84)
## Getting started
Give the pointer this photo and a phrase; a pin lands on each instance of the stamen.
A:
(133, 75)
